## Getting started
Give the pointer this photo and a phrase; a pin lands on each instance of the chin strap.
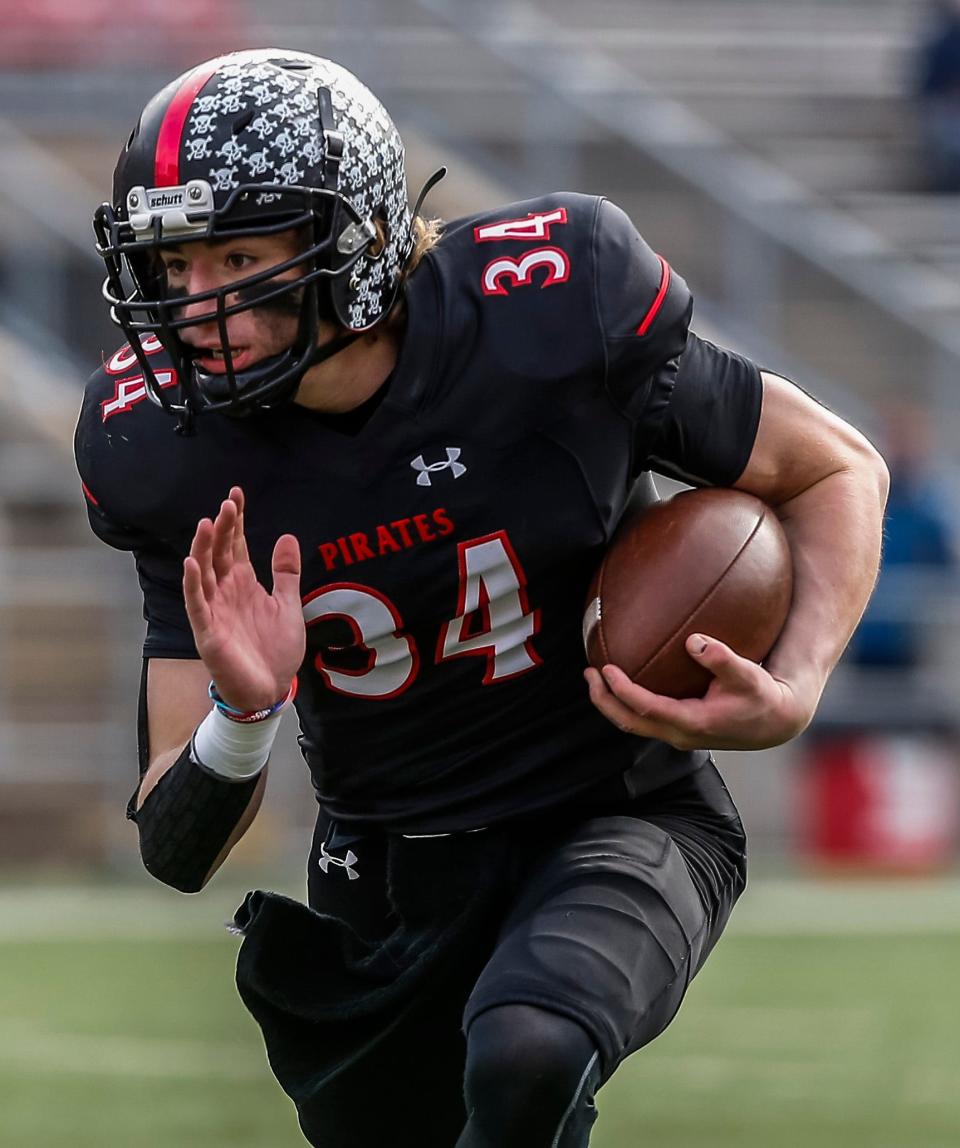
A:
(334, 347)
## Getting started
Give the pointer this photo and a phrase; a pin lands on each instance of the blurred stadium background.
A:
(779, 155)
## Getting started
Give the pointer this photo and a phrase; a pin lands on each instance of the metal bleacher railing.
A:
(63, 603)
(775, 260)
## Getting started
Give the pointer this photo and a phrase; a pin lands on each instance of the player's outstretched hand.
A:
(745, 707)
(251, 641)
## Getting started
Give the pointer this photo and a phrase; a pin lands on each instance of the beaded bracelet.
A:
(248, 716)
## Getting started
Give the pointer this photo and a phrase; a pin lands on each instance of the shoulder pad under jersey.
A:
(552, 287)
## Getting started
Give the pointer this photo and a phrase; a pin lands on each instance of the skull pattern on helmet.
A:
(281, 141)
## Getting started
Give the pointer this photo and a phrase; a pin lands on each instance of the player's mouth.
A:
(213, 360)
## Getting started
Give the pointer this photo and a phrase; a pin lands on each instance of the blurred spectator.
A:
(878, 788)
(918, 537)
(938, 89)
(77, 33)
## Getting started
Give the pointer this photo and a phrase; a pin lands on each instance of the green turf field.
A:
(827, 1016)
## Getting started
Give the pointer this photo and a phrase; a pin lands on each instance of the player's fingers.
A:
(240, 552)
(610, 705)
(223, 532)
(286, 570)
(720, 660)
(626, 718)
(607, 702)
(643, 703)
(198, 612)
(201, 552)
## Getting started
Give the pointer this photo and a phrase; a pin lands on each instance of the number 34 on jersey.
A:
(492, 620)
(503, 274)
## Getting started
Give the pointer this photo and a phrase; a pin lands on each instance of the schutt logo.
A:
(165, 199)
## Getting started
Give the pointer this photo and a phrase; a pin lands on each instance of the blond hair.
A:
(426, 235)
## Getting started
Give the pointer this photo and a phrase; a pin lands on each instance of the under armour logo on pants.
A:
(325, 860)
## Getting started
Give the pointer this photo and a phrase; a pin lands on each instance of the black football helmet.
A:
(254, 143)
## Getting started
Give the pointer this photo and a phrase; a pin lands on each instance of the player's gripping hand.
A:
(251, 641)
(745, 707)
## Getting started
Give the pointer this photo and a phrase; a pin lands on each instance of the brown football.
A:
(710, 561)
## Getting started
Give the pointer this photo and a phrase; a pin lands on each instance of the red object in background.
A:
(880, 803)
(90, 33)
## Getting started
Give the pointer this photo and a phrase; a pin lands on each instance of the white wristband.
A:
(234, 750)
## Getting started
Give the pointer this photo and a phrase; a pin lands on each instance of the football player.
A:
(401, 449)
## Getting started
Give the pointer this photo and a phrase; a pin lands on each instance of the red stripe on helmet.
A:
(167, 162)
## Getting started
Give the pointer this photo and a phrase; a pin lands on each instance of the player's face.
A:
(254, 334)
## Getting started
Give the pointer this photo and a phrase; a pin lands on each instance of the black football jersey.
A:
(449, 536)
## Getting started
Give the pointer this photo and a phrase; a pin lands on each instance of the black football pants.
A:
(476, 990)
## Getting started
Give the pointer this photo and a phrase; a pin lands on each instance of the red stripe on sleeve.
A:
(88, 493)
(661, 295)
(167, 161)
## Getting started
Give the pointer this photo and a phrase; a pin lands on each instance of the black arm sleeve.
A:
(186, 820)
(707, 431)
(188, 817)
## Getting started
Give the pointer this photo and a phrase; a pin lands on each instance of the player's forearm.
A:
(205, 779)
(828, 486)
(191, 819)
(835, 532)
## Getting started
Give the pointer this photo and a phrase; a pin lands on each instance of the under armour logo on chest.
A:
(325, 860)
(425, 469)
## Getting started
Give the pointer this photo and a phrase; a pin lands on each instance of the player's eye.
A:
(175, 268)
(239, 260)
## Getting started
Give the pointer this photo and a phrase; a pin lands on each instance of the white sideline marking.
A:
(106, 1055)
(804, 907)
(795, 1027)
(821, 1078)
(788, 907)
(124, 913)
